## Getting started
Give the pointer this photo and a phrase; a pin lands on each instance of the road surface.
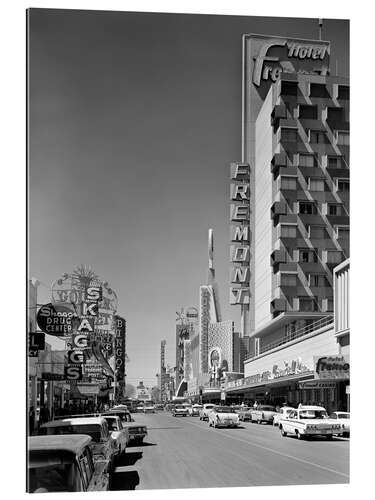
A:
(184, 452)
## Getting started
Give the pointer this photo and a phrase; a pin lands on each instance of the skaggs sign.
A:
(332, 367)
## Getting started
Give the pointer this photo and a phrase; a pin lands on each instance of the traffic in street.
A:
(185, 452)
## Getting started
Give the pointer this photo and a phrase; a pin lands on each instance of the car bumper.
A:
(139, 435)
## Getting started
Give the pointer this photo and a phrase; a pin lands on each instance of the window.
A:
(306, 256)
(288, 231)
(288, 183)
(316, 232)
(342, 232)
(288, 280)
(342, 185)
(329, 304)
(317, 280)
(334, 162)
(334, 209)
(316, 184)
(335, 115)
(307, 208)
(308, 112)
(307, 160)
(289, 135)
(318, 137)
(307, 305)
(334, 256)
(318, 90)
(343, 92)
(289, 88)
(342, 138)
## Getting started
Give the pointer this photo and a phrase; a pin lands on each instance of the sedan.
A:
(223, 416)
(343, 418)
(263, 413)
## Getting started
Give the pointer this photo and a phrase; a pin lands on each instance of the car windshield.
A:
(267, 408)
(343, 415)
(112, 424)
(48, 476)
(313, 414)
(92, 430)
(179, 407)
(223, 409)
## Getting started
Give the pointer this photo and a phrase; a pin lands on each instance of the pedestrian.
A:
(255, 405)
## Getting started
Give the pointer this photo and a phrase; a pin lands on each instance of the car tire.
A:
(283, 433)
(299, 435)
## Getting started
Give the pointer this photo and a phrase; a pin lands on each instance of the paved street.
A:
(185, 452)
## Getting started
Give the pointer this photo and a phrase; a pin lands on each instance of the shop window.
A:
(308, 112)
(319, 90)
(307, 208)
(343, 92)
(315, 184)
(289, 135)
(307, 160)
(288, 231)
(342, 138)
(289, 183)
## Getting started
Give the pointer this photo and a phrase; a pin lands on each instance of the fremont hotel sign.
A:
(239, 218)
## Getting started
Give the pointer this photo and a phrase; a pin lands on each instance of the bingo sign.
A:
(120, 337)
(56, 319)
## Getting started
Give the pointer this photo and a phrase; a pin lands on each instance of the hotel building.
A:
(296, 145)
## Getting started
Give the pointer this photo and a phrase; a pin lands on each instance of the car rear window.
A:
(90, 429)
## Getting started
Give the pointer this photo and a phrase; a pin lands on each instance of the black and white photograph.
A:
(188, 251)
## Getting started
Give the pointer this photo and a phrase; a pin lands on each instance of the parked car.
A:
(102, 446)
(263, 413)
(135, 432)
(243, 413)
(149, 409)
(343, 418)
(223, 416)
(188, 406)
(118, 433)
(281, 413)
(194, 410)
(180, 411)
(307, 421)
(203, 415)
(63, 463)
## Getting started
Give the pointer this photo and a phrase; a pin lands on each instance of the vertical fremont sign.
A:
(240, 237)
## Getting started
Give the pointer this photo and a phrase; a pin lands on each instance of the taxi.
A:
(307, 421)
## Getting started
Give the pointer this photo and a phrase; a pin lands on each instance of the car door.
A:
(288, 421)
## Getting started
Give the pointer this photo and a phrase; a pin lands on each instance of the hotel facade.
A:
(294, 209)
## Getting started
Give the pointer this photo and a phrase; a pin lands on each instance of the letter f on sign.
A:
(262, 57)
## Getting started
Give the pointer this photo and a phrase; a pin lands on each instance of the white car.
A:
(343, 418)
(149, 409)
(223, 416)
(194, 410)
(203, 414)
(306, 421)
(118, 432)
(282, 413)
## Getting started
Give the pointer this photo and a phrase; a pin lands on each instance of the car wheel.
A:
(299, 435)
(258, 421)
(283, 433)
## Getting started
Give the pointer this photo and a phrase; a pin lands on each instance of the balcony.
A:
(279, 111)
(278, 208)
(325, 322)
(278, 160)
(278, 257)
(278, 306)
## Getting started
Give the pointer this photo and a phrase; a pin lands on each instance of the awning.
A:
(273, 382)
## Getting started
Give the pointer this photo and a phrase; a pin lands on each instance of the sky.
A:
(133, 121)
